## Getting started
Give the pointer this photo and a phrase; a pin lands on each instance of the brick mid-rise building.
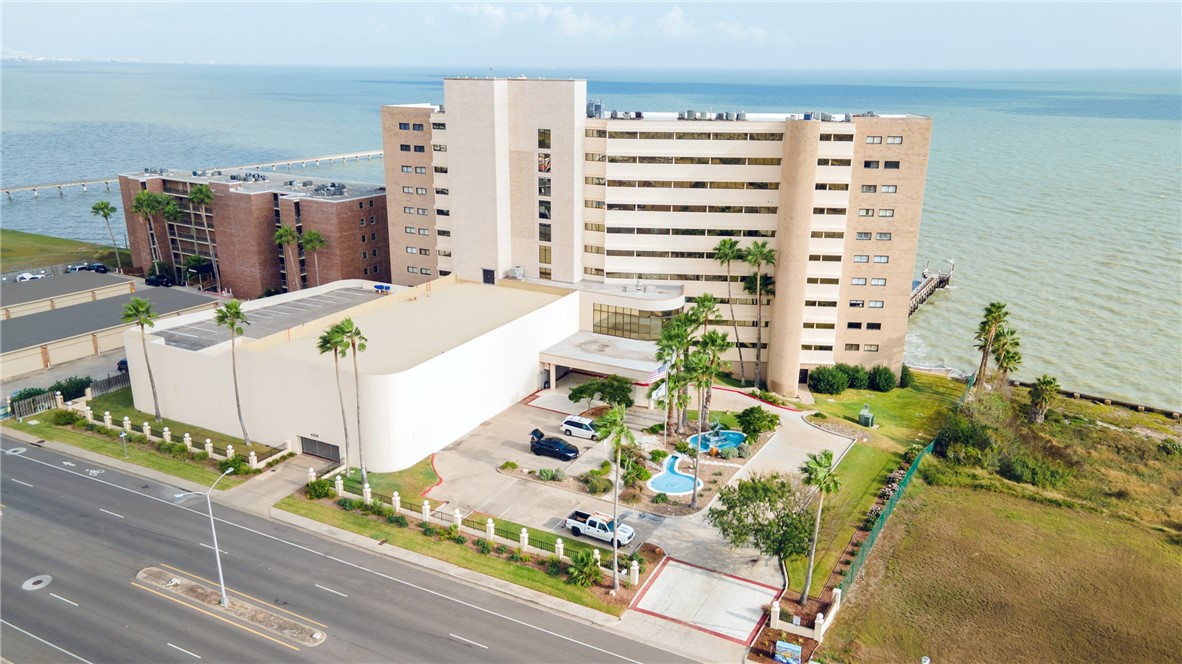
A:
(236, 233)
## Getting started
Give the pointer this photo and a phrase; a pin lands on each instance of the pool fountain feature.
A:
(672, 482)
(717, 438)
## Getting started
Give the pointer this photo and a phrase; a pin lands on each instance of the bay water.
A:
(1058, 193)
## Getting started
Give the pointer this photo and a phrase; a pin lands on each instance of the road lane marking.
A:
(239, 592)
(68, 463)
(63, 599)
(479, 645)
(51, 645)
(346, 563)
(183, 650)
(214, 615)
(335, 592)
(111, 513)
(13, 479)
(222, 551)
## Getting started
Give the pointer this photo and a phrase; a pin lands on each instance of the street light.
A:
(213, 529)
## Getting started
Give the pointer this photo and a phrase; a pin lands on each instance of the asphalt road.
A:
(92, 529)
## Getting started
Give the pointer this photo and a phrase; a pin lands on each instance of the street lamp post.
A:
(213, 529)
(123, 437)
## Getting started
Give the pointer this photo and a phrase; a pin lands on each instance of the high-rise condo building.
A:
(528, 179)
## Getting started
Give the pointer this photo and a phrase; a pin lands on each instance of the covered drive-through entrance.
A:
(319, 448)
(600, 354)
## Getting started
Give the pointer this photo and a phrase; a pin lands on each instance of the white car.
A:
(583, 427)
(29, 276)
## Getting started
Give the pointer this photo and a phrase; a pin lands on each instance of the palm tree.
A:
(231, 316)
(704, 365)
(287, 237)
(172, 213)
(1041, 394)
(333, 341)
(727, 251)
(147, 205)
(314, 242)
(201, 196)
(139, 311)
(615, 432)
(713, 343)
(1005, 353)
(355, 342)
(819, 472)
(671, 350)
(704, 311)
(191, 262)
(995, 318)
(104, 209)
(758, 255)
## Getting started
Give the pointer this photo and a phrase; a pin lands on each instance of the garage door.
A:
(319, 448)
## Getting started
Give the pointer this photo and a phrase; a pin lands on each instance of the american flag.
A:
(657, 374)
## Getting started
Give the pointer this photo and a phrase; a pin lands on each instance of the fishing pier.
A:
(932, 281)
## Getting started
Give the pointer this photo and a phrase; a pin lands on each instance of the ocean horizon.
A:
(1056, 192)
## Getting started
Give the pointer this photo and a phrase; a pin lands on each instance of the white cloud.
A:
(490, 16)
(740, 32)
(674, 24)
(574, 24)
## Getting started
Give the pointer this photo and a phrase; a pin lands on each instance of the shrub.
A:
(584, 571)
(912, 453)
(819, 416)
(871, 517)
(656, 428)
(770, 397)
(72, 387)
(396, 520)
(508, 465)
(630, 496)
(635, 473)
(657, 456)
(639, 559)
(595, 484)
(827, 380)
(743, 450)
(28, 393)
(1169, 447)
(963, 440)
(347, 504)
(63, 418)
(728, 453)
(318, 489)
(200, 456)
(429, 530)
(660, 498)
(856, 375)
(279, 459)
(483, 546)
(458, 538)
(905, 377)
(546, 474)
(681, 447)
(1031, 468)
(554, 566)
(521, 557)
(755, 420)
(501, 549)
(239, 463)
(882, 379)
(559, 474)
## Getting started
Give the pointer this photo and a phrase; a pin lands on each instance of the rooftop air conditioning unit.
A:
(517, 272)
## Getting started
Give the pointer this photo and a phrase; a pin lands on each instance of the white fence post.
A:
(366, 494)
(208, 447)
(311, 475)
(147, 429)
(524, 539)
(396, 500)
(126, 423)
(229, 451)
(634, 573)
(595, 552)
(490, 529)
(254, 461)
(819, 626)
(558, 548)
(459, 518)
(57, 397)
(340, 486)
(89, 414)
(188, 442)
(775, 615)
(167, 435)
(107, 418)
(426, 511)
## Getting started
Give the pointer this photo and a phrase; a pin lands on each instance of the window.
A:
(595, 133)
(544, 254)
(442, 213)
(545, 273)
(818, 210)
(408, 210)
(832, 235)
(422, 212)
(438, 147)
(851, 346)
(593, 204)
(425, 270)
(870, 164)
(873, 140)
(361, 222)
(404, 147)
(870, 348)
(438, 125)
(365, 271)
(846, 138)
(865, 212)
(543, 139)
(412, 250)
(882, 236)
(853, 326)
(861, 258)
(628, 323)
(887, 212)
(417, 126)
(889, 188)
(882, 259)
(424, 252)
(372, 220)
(832, 162)
(440, 191)
(874, 326)
(408, 190)
(878, 282)
(443, 252)
(420, 148)
(412, 269)
(407, 169)
(404, 126)
(857, 304)
(820, 303)
(893, 165)
(594, 181)
(441, 169)
(819, 326)
(420, 190)
(821, 186)
(869, 188)
(443, 233)
(543, 186)
(544, 232)
(815, 347)
(543, 209)
(425, 231)
(859, 281)
(894, 140)
(363, 238)
(875, 304)
(444, 273)
(410, 230)
(862, 236)
(594, 156)
(828, 281)
(543, 162)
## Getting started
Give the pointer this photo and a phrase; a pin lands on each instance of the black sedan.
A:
(552, 446)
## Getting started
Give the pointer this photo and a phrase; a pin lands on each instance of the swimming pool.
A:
(671, 481)
(720, 439)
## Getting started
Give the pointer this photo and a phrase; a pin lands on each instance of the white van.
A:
(580, 426)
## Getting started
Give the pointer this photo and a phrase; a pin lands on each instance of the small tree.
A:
(232, 317)
(882, 379)
(313, 242)
(856, 375)
(289, 239)
(827, 380)
(755, 420)
(614, 390)
(1041, 394)
(905, 377)
(139, 313)
(819, 472)
(769, 513)
(586, 391)
(584, 570)
(104, 209)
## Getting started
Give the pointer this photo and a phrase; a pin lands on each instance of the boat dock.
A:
(932, 281)
(60, 187)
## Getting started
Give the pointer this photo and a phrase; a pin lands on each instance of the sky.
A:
(539, 35)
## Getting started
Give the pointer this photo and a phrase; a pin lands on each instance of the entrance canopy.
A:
(602, 354)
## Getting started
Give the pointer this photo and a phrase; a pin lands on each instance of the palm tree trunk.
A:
(808, 577)
(758, 329)
(735, 325)
(616, 523)
(988, 346)
(316, 262)
(118, 261)
(336, 367)
(357, 391)
(213, 256)
(151, 378)
(696, 448)
(237, 399)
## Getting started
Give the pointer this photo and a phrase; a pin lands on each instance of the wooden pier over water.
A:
(931, 282)
(60, 187)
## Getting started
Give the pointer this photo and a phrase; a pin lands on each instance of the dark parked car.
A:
(121, 365)
(158, 280)
(78, 267)
(98, 267)
(543, 445)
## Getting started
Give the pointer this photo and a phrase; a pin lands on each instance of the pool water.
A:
(671, 481)
(721, 440)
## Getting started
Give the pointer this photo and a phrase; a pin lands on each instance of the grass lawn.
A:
(863, 472)
(410, 483)
(120, 404)
(725, 417)
(148, 458)
(906, 416)
(412, 539)
(962, 575)
(21, 251)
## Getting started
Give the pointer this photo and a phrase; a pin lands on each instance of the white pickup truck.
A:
(599, 526)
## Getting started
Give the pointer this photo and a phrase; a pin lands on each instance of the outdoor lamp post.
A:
(213, 529)
(123, 437)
